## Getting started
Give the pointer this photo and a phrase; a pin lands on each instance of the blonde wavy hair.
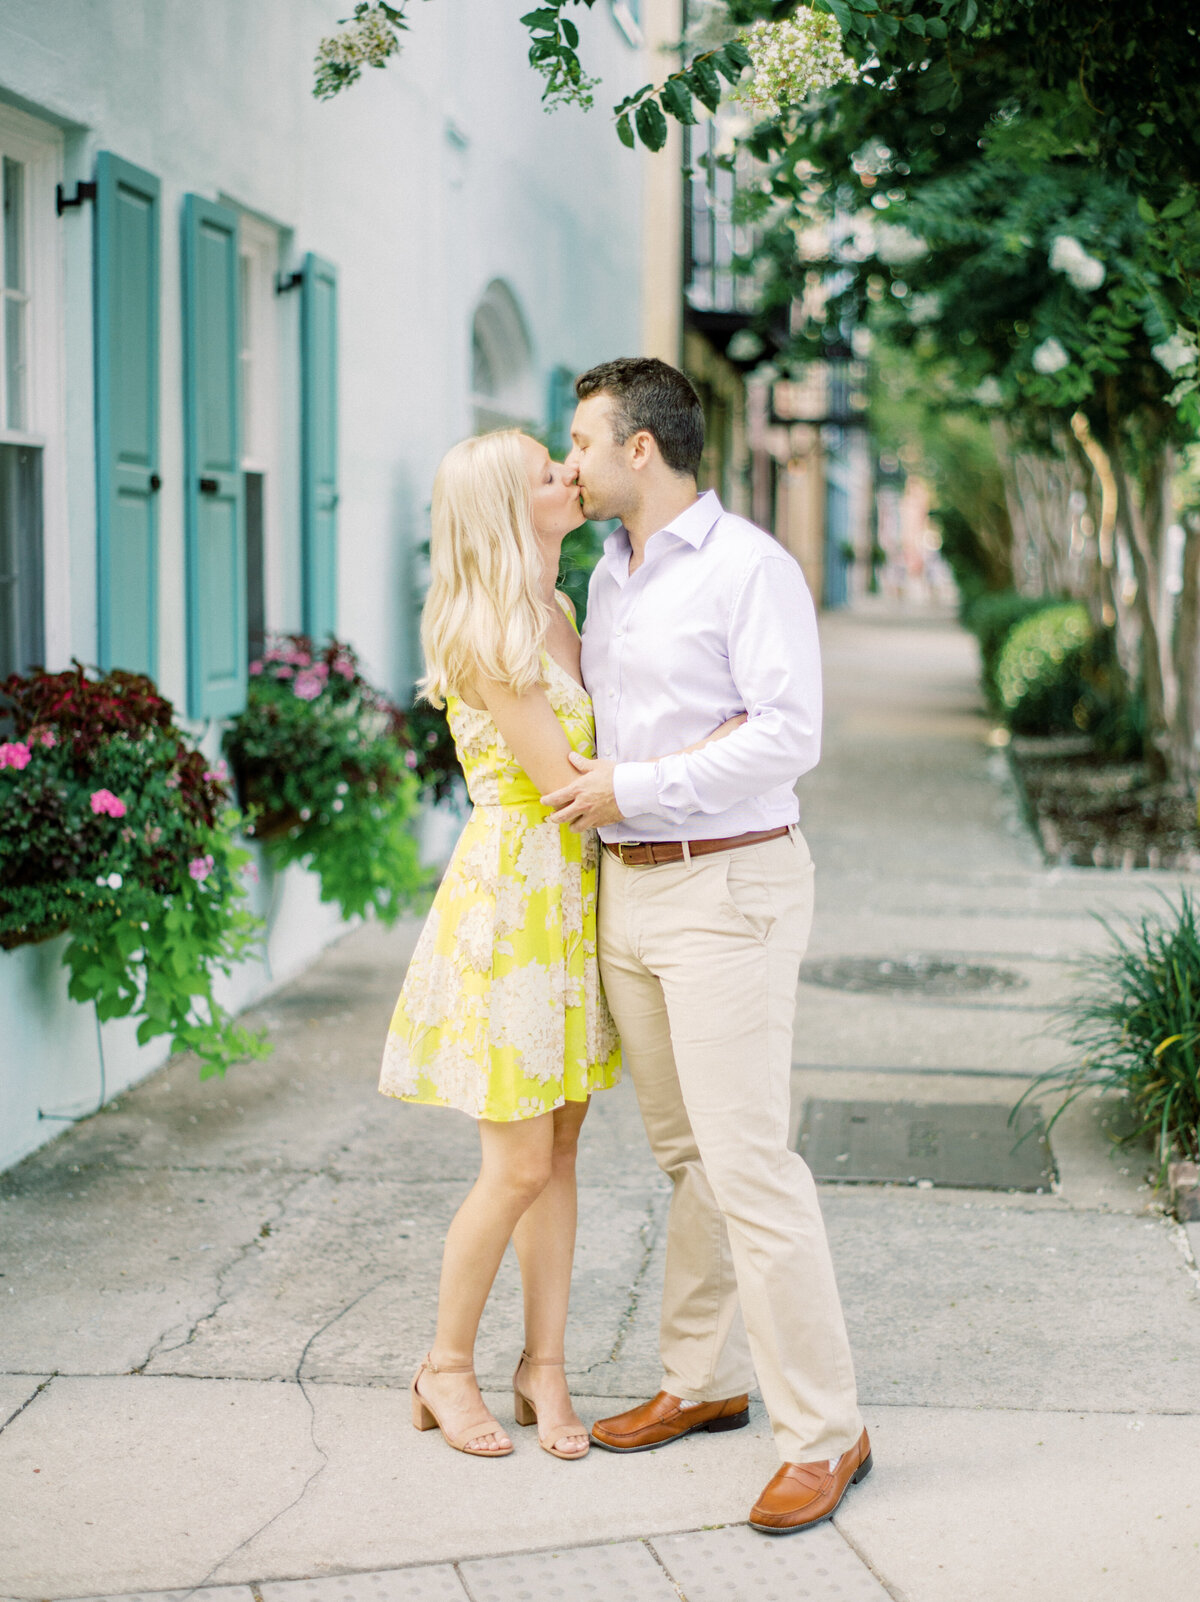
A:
(483, 616)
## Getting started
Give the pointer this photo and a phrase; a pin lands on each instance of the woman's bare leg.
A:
(517, 1163)
(545, 1243)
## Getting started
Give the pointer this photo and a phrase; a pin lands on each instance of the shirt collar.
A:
(696, 522)
(693, 526)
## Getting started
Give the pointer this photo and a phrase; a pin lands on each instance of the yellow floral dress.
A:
(502, 1014)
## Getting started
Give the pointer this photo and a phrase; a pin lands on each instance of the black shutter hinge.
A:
(286, 281)
(83, 191)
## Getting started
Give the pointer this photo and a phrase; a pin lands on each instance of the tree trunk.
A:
(1142, 528)
(1185, 725)
(1101, 490)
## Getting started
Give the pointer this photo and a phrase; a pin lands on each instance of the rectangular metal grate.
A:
(963, 1146)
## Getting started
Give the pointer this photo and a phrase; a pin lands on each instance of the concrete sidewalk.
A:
(214, 1295)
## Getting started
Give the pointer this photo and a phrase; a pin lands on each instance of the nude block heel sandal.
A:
(526, 1414)
(425, 1418)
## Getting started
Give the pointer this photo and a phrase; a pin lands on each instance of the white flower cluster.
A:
(1050, 357)
(1176, 353)
(897, 245)
(925, 308)
(792, 59)
(367, 40)
(1068, 256)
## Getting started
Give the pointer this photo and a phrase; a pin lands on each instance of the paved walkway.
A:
(214, 1294)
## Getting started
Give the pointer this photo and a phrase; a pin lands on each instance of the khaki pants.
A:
(700, 963)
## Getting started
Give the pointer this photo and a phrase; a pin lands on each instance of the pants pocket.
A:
(747, 893)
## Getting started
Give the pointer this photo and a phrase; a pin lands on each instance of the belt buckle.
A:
(621, 844)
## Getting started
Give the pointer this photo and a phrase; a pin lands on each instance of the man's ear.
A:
(645, 448)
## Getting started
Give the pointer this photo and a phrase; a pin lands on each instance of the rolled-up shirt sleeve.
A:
(775, 663)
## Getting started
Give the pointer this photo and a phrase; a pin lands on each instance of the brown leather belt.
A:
(645, 853)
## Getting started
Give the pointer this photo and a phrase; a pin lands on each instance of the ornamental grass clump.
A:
(115, 830)
(324, 765)
(1135, 1030)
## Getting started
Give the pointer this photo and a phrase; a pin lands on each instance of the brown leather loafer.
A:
(666, 1419)
(804, 1494)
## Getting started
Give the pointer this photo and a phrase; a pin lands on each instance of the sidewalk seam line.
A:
(896, 1594)
(648, 1543)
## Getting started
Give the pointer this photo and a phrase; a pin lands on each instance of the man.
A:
(693, 616)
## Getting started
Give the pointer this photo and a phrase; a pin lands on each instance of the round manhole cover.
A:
(925, 976)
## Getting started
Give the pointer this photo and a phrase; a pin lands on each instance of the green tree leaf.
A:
(701, 78)
(678, 101)
(651, 125)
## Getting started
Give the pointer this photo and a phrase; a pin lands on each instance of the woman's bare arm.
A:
(717, 734)
(531, 731)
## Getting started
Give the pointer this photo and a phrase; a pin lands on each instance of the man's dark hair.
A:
(648, 394)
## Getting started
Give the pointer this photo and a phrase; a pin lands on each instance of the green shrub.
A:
(1135, 1026)
(1042, 671)
(991, 615)
(581, 550)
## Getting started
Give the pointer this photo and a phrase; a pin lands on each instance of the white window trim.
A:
(39, 146)
(260, 243)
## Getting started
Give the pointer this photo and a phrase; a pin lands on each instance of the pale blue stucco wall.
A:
(424, 184)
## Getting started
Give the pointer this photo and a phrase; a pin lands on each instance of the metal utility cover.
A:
(964, 1146)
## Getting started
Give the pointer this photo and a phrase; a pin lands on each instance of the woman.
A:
(501, 1014)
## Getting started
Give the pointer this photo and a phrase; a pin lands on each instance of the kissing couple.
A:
(631, 884)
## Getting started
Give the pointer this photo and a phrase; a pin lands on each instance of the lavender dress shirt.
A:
(717, 620)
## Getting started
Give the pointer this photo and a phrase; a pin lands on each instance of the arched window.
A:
(503, 388)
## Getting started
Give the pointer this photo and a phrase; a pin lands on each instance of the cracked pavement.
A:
(213, 1295)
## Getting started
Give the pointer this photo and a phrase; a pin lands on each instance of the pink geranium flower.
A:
(201, 867)
(255, 669)
(284, 672)
(308, 685)
(344, 667)
(218, 773)
(104, 801)
(14, 754)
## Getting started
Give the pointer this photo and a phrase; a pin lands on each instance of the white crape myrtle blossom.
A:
(1068, 256)
(364, 41)
(895, 245)
(988, 392)
(1050, 357)
(1176, 353)
(793, 59)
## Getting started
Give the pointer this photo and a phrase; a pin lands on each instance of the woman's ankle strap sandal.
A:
(568, 1429)
(425, 1417)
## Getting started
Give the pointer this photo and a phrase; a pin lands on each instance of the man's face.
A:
(607, 482)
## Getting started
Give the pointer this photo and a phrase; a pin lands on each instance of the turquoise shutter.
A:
(213, 527)
(319, 409)
(126, 358)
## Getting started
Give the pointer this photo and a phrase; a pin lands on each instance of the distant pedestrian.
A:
(501, 1014)
(705, 906)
